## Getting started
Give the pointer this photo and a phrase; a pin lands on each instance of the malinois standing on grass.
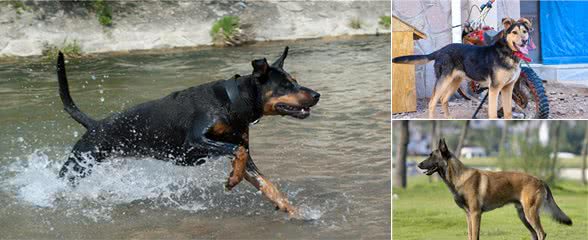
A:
(478, 191)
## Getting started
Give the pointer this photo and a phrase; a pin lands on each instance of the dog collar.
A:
(238, 105)
(522, 56)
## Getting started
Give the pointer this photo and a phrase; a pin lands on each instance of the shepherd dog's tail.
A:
(414, 59)
(556, 213)
(68, 104)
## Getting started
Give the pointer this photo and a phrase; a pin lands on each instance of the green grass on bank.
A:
(575, 162)
(427, 211)
(69, 48)
(226, 31)
(355, 23)
(103, 12)
(385, 21)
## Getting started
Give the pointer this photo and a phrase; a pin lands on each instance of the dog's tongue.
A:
(524, 50)
(531, 45)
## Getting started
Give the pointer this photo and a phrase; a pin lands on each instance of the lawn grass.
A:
(575, 162)
(427, 211)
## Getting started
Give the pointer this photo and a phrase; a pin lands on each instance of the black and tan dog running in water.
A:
(193, 125)
(477, 191)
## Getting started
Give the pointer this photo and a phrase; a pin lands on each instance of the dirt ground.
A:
(566, 101)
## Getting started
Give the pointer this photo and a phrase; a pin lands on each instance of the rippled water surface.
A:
(335, 164)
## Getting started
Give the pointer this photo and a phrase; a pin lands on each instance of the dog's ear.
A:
(260, 68)
(443, 147)
(280, 62)
(527, 24)
(507, 22)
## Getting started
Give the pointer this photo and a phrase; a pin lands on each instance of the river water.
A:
(335, 164)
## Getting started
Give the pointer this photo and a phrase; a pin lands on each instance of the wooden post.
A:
(403, 75)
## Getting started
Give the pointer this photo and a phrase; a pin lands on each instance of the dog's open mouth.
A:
(521, 48)
(294, 111)
(431, 170)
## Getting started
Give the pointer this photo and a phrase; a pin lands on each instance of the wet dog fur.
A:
(192, 125)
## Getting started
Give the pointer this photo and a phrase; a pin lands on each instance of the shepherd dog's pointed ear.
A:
(443, 147)
(260, 68)
(280, 62)
(507, 22)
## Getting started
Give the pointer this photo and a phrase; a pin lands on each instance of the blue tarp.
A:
(564, 31)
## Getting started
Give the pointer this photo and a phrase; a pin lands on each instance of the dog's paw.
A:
(232, 182)
(294, 213)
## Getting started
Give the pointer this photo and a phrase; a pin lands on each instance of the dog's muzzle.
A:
(428, 171)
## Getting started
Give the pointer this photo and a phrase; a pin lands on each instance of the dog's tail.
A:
(414, 59)
(556, 213)
(68, 104)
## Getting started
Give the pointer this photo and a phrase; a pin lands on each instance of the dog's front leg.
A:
(493, 102)
(239, 162)
(469, 225)
(200, 138)
(268, 189)
(475, 220)
(506, 94)
(240, 154)
(238, 171)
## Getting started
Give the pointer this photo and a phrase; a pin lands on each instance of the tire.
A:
(539, 104)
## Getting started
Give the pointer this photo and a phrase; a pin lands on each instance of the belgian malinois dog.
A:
(478, 191)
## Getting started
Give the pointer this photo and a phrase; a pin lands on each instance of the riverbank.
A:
(173, 50)
(36, 26)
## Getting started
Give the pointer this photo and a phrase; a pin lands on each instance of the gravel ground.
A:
(566, 101)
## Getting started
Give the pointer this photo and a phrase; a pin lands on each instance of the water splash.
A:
(150, 183)
(309, 213)
(34, 181)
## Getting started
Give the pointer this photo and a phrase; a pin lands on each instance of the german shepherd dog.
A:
(495, 66)
(478, 191)
(192, 125)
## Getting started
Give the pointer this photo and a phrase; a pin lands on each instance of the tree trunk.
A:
(436, 125)
(584, 155)
(502, 147)
(555, 150)
(462, 138)
(401, 151)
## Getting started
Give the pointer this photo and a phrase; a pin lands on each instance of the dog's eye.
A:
(524, 31)
(515, 32)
